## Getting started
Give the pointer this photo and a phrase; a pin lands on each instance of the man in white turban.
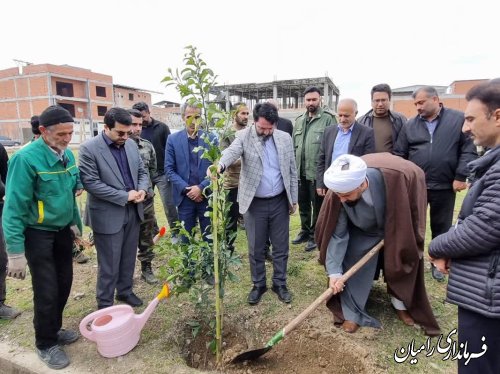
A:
(360, 226)
(346, 174)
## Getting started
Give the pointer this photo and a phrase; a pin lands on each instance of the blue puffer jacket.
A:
(474, 245)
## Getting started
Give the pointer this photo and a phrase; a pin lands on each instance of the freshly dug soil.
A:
(308, 350)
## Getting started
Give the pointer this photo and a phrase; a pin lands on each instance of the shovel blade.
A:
(251, 355)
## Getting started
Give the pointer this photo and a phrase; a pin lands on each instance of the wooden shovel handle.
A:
(329, 293)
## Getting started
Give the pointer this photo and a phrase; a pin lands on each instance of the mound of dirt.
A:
(307, 350)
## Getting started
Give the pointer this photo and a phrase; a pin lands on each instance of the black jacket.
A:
(285, 125)
(159, 140)
(474, 245)
(4, 158)
(444, 159)
(397, 119)
(362, 142)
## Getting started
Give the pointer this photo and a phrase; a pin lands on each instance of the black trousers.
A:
(3, 261)
(232, 226)
(472, 327)
(441, 204)
(116, 259)
(309, 205)
(51, 265)
(268, 218)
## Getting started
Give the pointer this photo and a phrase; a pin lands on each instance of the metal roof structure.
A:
(289, 93)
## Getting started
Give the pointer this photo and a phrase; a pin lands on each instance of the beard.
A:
(312, 108)
(351, 203)
(264, 138)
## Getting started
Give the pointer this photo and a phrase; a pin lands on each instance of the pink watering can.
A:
(117, 329)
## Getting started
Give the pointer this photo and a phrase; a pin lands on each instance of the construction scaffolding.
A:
(288, 94)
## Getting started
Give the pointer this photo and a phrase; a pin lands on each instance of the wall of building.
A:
(462, 87)
(27, 94)
(125, 97)
(171, 116)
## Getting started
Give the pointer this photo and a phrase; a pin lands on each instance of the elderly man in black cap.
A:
(39, 210)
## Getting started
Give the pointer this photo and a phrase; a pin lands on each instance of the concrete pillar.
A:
(275, 92)
(228, 101)
(326, 95)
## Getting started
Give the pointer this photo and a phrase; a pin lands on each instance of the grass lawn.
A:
(163, 339)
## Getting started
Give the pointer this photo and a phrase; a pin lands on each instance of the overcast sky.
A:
(356, 43)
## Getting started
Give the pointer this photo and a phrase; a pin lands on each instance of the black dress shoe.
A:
(65, 337)
(131, 299)
(436, 274)
(301, 237)
(54, 357)
(256, 294)
(310, 246)
(282, 293)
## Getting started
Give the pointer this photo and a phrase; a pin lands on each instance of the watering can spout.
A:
(144, 316)
(165, 292)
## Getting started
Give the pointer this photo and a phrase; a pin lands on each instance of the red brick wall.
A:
(39, 105)
(7, 89)
(79, 87)
(69, 71)
(107, 86)
(8, 111)
(462, 87)
(39, 86)
(121, 97)
(405, 106)
(12, 72)
(22, 85)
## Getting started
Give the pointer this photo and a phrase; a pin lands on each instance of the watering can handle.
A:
(89, 334)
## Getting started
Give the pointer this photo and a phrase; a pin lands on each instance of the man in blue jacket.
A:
(434, 141)
(187, 170)
(471, 251)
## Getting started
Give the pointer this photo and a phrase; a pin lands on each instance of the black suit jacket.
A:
(362, 142)
(285, 125)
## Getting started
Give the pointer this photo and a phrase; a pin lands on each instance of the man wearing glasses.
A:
(385, 123)
(113, 174)
(187, 170)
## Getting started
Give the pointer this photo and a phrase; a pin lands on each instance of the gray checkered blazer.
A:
(248, 146)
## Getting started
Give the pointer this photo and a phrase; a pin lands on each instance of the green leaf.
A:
(212, 346)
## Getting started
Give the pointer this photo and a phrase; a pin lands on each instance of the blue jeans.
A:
(190, 211)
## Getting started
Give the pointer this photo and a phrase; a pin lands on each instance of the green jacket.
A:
(310, 145)
(40, 194)
(148, 156)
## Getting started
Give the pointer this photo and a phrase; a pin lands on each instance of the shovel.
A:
(256, 353)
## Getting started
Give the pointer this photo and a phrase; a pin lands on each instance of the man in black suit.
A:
(347, 137)
(283, 123)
